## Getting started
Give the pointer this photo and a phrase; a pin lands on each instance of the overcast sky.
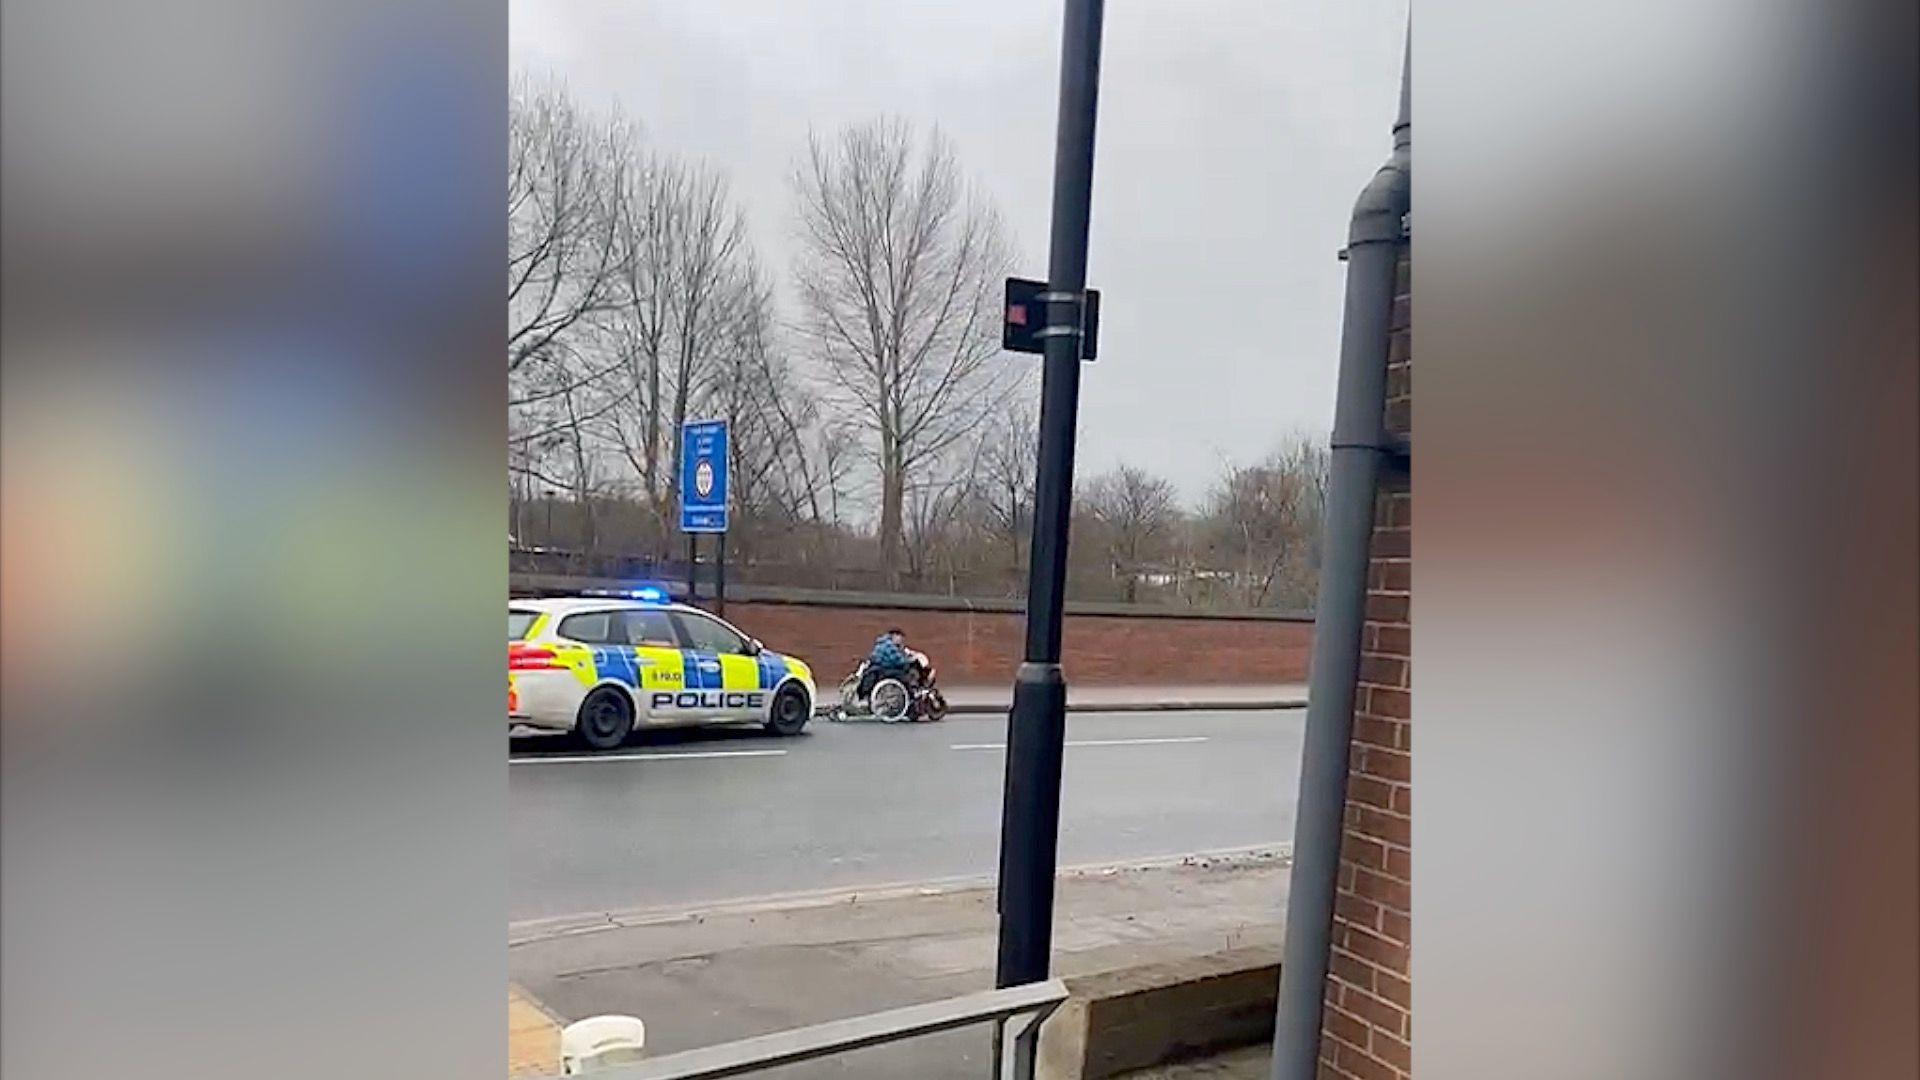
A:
(1233, 136)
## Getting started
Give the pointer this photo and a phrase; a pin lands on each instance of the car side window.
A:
(650, 629)
(591, 627)
(705, 635)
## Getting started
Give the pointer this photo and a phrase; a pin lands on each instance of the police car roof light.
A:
(648, 593)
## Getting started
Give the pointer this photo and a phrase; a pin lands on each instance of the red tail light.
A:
(531, 658)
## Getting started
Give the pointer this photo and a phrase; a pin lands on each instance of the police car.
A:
(600, 666)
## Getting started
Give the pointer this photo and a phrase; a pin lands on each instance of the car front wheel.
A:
(790, 711)
(606, 719)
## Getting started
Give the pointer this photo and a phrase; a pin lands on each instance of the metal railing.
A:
(1017, 1012)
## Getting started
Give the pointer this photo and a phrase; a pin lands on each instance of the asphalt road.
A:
(694, 817)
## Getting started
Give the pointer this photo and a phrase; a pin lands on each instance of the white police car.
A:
(601, 666)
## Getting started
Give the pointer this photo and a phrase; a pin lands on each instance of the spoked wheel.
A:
(889, 700)
(606, 719)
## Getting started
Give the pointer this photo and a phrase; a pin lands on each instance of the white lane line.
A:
(1090, 742)
(645, 757)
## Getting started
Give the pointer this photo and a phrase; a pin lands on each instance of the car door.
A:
(659, 670)
(717, 655)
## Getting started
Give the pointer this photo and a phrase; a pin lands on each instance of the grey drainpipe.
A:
(1359, 448)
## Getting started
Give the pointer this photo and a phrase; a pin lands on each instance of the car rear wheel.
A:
(790, 711)
(606, 719)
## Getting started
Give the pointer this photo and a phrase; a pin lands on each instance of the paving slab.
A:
(703, 977)
(533, 1037)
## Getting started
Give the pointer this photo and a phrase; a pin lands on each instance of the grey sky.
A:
(1233, 137)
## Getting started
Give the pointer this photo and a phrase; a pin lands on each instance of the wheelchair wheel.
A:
(934, 706)
(889, 700)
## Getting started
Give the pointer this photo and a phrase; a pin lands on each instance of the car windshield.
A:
(519, 622)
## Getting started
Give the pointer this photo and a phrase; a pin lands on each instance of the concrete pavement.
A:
(728, 973)
(533, 1037)
(679, 819)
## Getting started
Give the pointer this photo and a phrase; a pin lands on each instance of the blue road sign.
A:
(703, 476)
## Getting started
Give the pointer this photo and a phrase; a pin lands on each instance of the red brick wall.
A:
(1367, 1033)
(976, 647)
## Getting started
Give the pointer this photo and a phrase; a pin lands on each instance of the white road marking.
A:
(645, 757)
(1090, 742)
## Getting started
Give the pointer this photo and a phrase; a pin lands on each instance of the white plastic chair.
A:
(600, 1042)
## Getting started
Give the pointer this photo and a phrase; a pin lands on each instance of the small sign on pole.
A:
(1025, 316)
(703, 476)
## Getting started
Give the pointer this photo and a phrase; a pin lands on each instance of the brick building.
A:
(1367, 1025)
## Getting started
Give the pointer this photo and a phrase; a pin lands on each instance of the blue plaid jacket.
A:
(887, 653)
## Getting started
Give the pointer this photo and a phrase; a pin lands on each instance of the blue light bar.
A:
(646, 593)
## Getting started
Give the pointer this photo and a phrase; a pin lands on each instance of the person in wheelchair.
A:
(891, 658)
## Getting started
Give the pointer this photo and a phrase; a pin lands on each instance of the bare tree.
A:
(635, 303)
(898, 278)
(1137, 514)
(1266, 518)
(688, 283)
(835, 452)
(645, 227)
(771, 413)
(562, 255)
(562, 268)
(716, 289)
(937, 529)
(1008, 458)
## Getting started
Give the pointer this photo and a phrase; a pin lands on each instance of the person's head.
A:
(897, 635)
